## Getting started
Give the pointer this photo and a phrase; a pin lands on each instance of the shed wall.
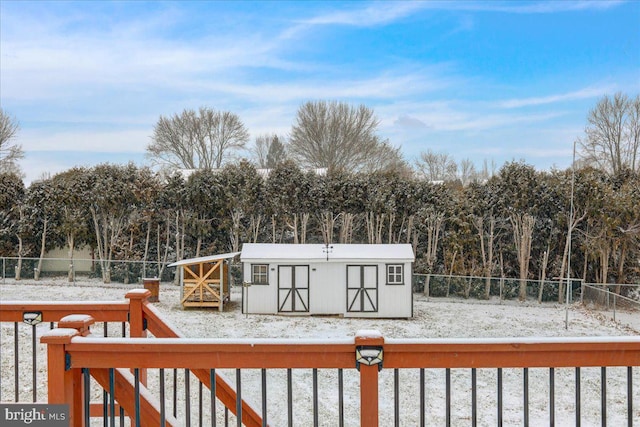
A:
(327, 290)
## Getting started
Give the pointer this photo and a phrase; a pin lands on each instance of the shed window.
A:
(260, 274)
(394, 274)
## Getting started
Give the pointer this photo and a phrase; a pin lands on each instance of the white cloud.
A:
(585, 93)
(378, 13)
(383, 13)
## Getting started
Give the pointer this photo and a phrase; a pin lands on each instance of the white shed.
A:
(339, 279)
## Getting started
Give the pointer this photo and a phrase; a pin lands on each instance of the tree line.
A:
(335, 180)
(515, 224)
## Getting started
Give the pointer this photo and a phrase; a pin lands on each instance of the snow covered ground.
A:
(434, 318)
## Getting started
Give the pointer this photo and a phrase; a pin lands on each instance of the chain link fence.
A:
(476, 287)
(619, 302)
(129, 271)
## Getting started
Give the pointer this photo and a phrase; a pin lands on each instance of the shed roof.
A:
(318, 252)
(204, 259)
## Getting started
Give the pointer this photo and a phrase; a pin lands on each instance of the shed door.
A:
(362, 288)
(293, 288)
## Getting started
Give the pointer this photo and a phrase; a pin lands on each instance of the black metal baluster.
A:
(34, 368)
(289, 398)
(448, 396)
(136, 376)
(87, 396)
(187, 397)
(500, 421)
(112, 398)
(163, 414)
(16, 377)
(629, 396)
(315, 397)
(526, 397)
(552, 397)
(474, 398)
(212, 380)
(340, 398)
(200, 402)
(578, 398)
(263, 374)
(603, 402)
(238, 398)
(396, 397)
(175, 392)
(422, 396)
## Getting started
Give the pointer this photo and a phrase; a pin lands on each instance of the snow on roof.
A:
(336, 251)
(204, 259)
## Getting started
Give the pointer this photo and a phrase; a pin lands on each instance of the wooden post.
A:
(369, 358)
(137, 298)
(65, 385)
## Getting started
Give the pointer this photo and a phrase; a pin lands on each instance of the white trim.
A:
(204, 259)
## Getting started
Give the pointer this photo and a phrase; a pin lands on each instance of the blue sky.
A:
(479, 80)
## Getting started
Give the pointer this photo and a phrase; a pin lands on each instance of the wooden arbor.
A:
(204, 281)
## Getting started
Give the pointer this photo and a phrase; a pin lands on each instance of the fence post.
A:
(65, 385)
(369, 358)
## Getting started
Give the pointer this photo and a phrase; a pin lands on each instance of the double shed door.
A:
(362, 288)
(293, 288)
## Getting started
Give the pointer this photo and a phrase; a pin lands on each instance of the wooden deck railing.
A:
(118, 365)
(141, 318)
(368, 352)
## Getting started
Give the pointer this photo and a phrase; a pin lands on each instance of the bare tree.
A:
(387, 158)
(436, 166)
(10, 152)
(269, 150)
(612, 136)
(334, 135)
(196, 140)
(467, 172)
(523, 225)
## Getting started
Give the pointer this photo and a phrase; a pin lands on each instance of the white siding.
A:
(261, 299)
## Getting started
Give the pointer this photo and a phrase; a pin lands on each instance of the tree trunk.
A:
(543, 274)
(255, 227)
(71, 244)
(146, 250)
(43, 242)
(604, 253)
(621, 260)
(522, 235)
(18, 269)
(453, 262)
(304, 221)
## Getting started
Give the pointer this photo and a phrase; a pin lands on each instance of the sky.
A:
(479, 80)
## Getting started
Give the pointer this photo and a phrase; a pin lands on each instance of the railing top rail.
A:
(90, 352)
(224, 353)
(574, 352)
(515, 341)
(53, 311)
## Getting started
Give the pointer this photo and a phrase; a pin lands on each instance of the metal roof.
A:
(336, 252)
(204, 259)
